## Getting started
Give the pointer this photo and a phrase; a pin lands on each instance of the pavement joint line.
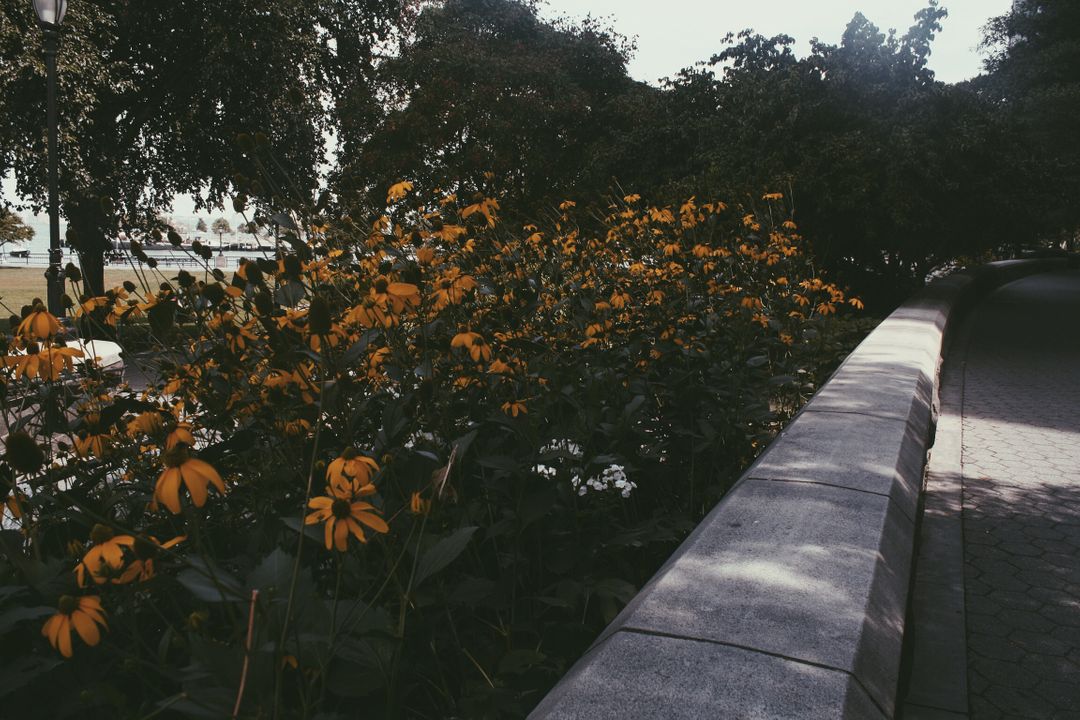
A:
(749, 648)
(887, 496)
(876, 416)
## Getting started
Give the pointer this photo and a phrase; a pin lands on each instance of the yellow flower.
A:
(514, 408)
(450, 289)
(856, 303)
(195, 474)
(418, 505)
(105, 560)
(398, 190)
(45, 363)
(180, 434)
(474, 343)
(398, 294)
(83, 615)
(38, 325)
(149, 423)
(350, 474)
(12, 504)
(343, 515)
(146, 549)
(96, 444)
(498, 367)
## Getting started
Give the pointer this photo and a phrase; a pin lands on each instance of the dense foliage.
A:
(152, 95)
(443, 452)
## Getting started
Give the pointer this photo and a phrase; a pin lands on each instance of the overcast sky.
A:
(673, 34)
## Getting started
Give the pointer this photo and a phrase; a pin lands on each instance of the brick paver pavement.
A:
(1021, 457)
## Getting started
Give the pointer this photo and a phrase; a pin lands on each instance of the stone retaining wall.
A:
(789, 599)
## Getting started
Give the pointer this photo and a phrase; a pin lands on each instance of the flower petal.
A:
(86, 628)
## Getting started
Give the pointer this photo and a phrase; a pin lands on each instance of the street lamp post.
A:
(50, 14)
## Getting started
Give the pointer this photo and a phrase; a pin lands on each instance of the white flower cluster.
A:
(613, 478)
(566, 446)
(545, 471)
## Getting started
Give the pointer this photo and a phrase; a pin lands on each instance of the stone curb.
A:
(789, 598)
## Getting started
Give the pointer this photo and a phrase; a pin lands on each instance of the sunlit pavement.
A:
(1021, 499)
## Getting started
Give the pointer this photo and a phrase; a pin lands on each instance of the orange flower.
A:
(45, 363)
(350, 474)
(399, 295)
(105, 560)
(418, 505)
(195, 474)
(181, 434)
(474, 343)
(149, 422)
(38, 325)
(450, 289)
(514, 408)
(342, 515)
(95, 444)
(83, 615)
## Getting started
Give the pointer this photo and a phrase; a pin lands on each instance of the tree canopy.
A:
(12, 229)
(153, 96)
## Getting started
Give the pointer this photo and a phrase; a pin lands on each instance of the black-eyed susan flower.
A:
(350, 473)
(418, 505)
(193, 473)
(474, 343)
(399, 295)
(83, 615)
(451, 288)
(11, 503)
(342, 516)
(514, 408)
(398, 190)
(149, 422)
(182, 434)
(23, 453)
(105, 560)
(145, 550)
(40, 324)
(92, 444)
(44, 362)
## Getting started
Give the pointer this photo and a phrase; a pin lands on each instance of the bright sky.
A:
(673, 34)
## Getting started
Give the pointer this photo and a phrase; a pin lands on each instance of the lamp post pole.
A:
(53, 274)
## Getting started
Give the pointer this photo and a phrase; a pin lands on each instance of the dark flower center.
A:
(101, 533)
(68, 604)
(381, 285)
(341, 509)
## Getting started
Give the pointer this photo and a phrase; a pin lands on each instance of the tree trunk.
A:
(93, 271)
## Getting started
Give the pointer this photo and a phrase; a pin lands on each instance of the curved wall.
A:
(789, 599)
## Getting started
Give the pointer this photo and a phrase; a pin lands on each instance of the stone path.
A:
(1021, 500)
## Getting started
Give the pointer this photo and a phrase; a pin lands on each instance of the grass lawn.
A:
(19, 286)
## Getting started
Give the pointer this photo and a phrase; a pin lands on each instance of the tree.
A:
(486, 86)
(221, 226)
(154, 96)
(200, 226)
(12, 229)
(1034, 77)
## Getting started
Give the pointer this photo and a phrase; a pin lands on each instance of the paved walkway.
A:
(995, 624)
(1021, 500)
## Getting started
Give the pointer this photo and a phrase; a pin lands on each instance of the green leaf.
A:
(614, 588)
(272, 575)
(210, 583)
(14, 616)
(25, 668)
(442, 554)
(516, 662)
